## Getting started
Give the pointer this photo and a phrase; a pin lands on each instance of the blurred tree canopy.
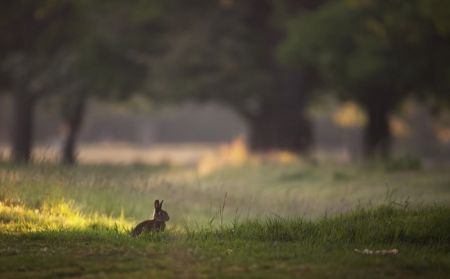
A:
(109, 59)
(32, 36)
(263, 58)
(72, 50)
(228, 55)
(376, 53)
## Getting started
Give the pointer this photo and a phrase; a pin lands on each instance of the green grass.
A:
(58, 222)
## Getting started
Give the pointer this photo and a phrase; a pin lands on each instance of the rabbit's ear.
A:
(160, 204)
(156, 204)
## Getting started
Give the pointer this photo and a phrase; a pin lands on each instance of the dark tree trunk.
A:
(282, 122)
(287, 130)
(22, 128)
(73, 118)
(377, 134)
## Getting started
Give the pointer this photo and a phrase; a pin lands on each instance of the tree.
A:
(110, 60)
(71, 50)
(32, 33)
(374, 52)
(228, 56)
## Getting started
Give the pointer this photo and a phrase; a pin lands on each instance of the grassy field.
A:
(269, 219)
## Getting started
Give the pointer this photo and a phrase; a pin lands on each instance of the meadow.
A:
(259, 218)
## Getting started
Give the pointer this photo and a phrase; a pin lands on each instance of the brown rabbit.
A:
(160, 217)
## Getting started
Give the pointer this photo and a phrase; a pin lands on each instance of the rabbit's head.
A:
(160, 214)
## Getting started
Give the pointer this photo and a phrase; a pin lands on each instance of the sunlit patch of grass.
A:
(54, 216)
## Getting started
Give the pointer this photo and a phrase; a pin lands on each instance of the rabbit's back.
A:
(146, 226)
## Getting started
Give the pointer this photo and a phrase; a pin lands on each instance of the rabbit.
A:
(158, 223)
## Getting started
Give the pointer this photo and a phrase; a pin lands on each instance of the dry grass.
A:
(124, 153)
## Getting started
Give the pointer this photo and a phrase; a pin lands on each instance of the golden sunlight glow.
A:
(399, 127)
(234, 154)
(53, 216)
(349, 115)
(237, 154)
(443, 135)
(283, 157)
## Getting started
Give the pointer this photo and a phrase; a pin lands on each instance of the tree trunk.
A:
(73, 118)
(377, 134)
(22, 128)
(282, 122)
(281, 129)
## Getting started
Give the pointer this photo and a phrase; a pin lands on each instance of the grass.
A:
(275, 220)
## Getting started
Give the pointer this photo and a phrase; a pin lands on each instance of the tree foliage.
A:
(72, 50)
(228, 55)
(375, 52)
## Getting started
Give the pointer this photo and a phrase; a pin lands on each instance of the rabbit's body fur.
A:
(148, 225)
(157, 224)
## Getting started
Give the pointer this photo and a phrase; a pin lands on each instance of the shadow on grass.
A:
(386, 224)
(87, 252)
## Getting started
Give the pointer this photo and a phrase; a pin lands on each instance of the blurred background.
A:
(172, 82)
